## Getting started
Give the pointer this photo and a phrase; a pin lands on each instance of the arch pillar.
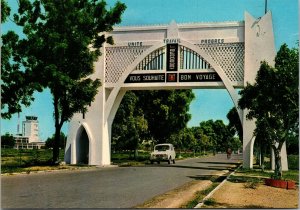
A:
(259, 46)
(94, 124)
(105, 147)
(248, 141)
(98, 136)
(106, 138)
(248, 146)
(113, 112)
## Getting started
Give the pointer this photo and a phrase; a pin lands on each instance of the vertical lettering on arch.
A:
(172, 57)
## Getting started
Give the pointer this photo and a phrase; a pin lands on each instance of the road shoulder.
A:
(177, 197)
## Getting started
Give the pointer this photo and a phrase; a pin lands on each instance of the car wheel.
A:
(151, 162)
(158, 162)
(173, 161)
(169, 161)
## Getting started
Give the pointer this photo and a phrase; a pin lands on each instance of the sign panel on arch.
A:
(172, 57)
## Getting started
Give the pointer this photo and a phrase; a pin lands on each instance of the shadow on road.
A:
(217, 168)
(212, 178)
(232, 163)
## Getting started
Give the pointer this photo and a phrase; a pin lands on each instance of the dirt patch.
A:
(238, 195)
(177, 197)
(235, 195)
(182, 195)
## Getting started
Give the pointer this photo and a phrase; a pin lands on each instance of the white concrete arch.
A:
(233, 49)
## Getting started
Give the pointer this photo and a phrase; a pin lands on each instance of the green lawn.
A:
(291, 174)
(13, 160)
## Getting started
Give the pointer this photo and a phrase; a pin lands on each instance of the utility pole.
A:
(18, 127)
(266, 6)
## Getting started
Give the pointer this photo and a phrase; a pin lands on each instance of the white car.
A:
(163, 152)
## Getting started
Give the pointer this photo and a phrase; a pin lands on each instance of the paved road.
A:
(118, 187)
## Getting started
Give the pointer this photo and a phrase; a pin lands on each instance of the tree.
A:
(235, 144)
(235, 124)
(5, 11)
(188, 139)
(62, 141)
(166, 111)
(62, 41)
(218, 134)
(273, 101)
(156, 115)
(204, 143)
(208, 131)
(16, 90)
(223, 136)
(129, 125)
(235, 127)
(293, 145)
(7, 141)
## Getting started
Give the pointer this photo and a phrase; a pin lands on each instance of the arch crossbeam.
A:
(189, 47)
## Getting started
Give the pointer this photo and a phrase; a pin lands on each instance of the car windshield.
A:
(162, 147)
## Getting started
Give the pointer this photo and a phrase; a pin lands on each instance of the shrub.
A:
(210, 202)
(293, 162)
(252, 183)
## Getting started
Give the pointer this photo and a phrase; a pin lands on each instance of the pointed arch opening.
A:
(82, 146)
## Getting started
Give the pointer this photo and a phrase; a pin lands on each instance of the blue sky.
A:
(208, 104)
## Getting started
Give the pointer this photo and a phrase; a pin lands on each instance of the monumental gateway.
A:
(174, 56)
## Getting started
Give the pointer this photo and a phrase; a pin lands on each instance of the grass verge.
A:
(246, 174)
(200, 195)
(17, 161)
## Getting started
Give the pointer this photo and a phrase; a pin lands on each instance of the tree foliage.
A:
(62, 41)
(62, 141)
(5, 11)
(145, 115)
(208, 136)
(16, 90)
(273, 101)
(219, 135)
(162, 116)
(129, 125)
(204, 142)
(167, 111)
(7, 141)
(293, 145)
(185, 140)
(235, 124)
